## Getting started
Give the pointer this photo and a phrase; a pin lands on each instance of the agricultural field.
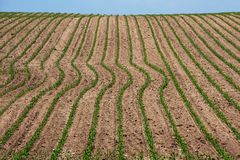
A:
(119, 87)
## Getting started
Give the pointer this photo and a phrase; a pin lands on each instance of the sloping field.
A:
(119, 87)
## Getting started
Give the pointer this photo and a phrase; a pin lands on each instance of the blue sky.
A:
(121, 6)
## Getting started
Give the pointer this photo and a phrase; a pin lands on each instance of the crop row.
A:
(25, 151)
(167, 74)
(34, 100)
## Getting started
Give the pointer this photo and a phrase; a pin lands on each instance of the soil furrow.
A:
(221, 25)
(78, 133)
(184, 121)
(58, 148)
(51, 58)
(140, 93)
(206, 54)
(67, 73)
(106, 136)
(11, 24)
(104, 73)
(58, 118)
(40, 60)
(214, 78)
(8, 63)
(156, 117)
(221, 30)
(19, 31)
(212, 123)
(10, 32)
(229, 21)
(41, 93)
(220, 39)
(133, 132)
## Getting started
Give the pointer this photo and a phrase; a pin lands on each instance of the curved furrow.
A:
(17, 43)
(61, 142)
(106, 131)
(120, 145)
(233, 18)
(51, 69)
(215, 51)
(92, 133)
(20, 29)
(225, 94)
(10, 131)
(93, 81)
(18, 23)
(14, 19)
(189, 130)
(24, 152)
(15, 47)
(216, 109)
(23, 131)
(179, 139)
(34, 86)
(2, 37)
(5, 18)
(222, 32)
(30, 48)
(229, 22)
(210, 79)
(219, 40)
(132, 125)
(147, 130)
(204, 55)
(212, 140)
(222, 25)
(57, 119)
(158, 122)
(78, 133)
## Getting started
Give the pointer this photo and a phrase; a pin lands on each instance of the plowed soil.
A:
(119, 87)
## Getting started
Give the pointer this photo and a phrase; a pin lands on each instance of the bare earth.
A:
(119, 87)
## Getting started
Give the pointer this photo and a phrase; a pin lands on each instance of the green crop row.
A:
(208, 76)
(204, 95)
(222, 153)
(92, 134)
(120, 145)
(147, 130)
(19, 20)
(181, 142)
(25, 151)
(228, 51)
(10, 131)
(14, 19)
(74, 107)
(200, 51)
(227, 30)
(224, 37)
(32, 18)
(228, 23)
(232, 19)
(28, 74)
(11, 71)
(28, 89)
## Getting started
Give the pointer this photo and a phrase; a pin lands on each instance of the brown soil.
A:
(165, 144)
(186, 125)
(134, 136)
(217, 98)
(213, 124)
(31, 122)
(78, 134)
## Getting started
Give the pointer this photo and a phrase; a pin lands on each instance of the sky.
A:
(121, 6)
